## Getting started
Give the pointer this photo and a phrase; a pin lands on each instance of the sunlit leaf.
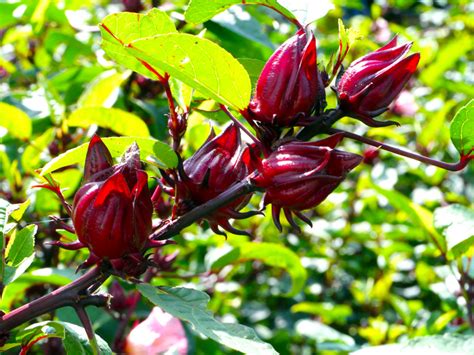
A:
(191, 306)
(17, 123)
(103, 91)
(21, 245)
(119, 121)
(325, 336)
(124, 27)
(117, 146)
(456, 222)
(199, 63)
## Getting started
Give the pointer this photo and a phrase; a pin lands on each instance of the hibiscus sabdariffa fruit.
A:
(289, 86)
(217, 165)
(112, 211)
(372, 82)
(300, 175)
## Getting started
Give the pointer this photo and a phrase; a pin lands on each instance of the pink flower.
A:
(160, 333)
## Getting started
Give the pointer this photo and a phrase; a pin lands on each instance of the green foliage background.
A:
(372, 270)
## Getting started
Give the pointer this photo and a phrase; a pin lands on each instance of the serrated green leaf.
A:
(14, 272)
(17, 122)
(447, 344)
(21, 245)
(117, 146)
(462, 129)
(198, 63)
(456, 223)
(191, 306)
(103, 90)
(124, 27)
(119, 121)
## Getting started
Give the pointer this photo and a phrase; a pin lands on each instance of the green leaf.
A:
(119, 121)
(191, 306)
(21, 245)
(202, 10)
(14, 272)
(327, 338)
(17, 210)
(254, 67)
(456, 223)
(3, 221)
(74, 338)
(31, 157)
(198, 63)
(271, 254)
(117, 146)
(449, 53)
(304, 11)
(124, 27)
(446, 344)
(17, 123)
(329, 312)
(103, 91)
(420, 216)
(462, 129)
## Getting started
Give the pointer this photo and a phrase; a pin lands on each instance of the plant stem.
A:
(321, 124)
(86, 323)
(68, 295)
(421, 158)
(172, 228)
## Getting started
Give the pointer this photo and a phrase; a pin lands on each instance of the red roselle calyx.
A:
(300, 175)
(370, 83)
(112, 211)
(289, 87)
(216, 166)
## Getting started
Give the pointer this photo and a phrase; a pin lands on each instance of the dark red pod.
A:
(289, 86)
(300, 175)
(112, 211)
(216, 166)
(372, 82)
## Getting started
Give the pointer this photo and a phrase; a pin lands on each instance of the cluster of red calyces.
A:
(112, 211)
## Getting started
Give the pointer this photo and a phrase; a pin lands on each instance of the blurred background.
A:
(369, 270)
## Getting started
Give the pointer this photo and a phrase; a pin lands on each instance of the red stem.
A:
(421, 158)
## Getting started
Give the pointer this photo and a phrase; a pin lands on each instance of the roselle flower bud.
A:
(370, 84)
(289, 87)
(300, 175)
(112, 210)
(215, 167)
